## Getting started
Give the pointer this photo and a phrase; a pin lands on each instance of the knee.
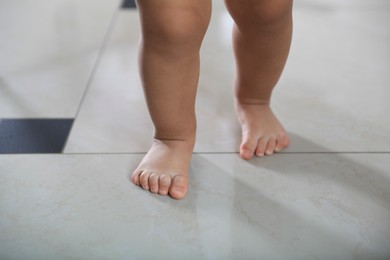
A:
(262, 13)
(271, 12)
(182, 29)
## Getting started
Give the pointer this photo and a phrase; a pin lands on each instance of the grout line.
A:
(196, 153)
(281, 153)
(325, 152)
(103, 46)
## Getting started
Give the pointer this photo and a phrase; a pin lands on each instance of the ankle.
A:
(252, 101)
(179, 145)
(185, 134)
(187, 138)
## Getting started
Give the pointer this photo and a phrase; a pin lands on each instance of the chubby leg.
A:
(172, 33)
(261, 39)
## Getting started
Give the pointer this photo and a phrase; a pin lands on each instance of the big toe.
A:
(248, 147)
(135, 177)
(178, 187)
(282, 142)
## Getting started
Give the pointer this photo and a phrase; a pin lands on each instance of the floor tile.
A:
(114, 105)
(350, 4)
(48, 51)
(344, 56)
(333, 90)
(310, 202)
(33, 135)
(313, 206)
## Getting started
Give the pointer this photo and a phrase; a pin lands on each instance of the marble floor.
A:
(75, 62)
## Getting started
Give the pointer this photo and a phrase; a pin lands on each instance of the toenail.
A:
(268, 152)
(277, 149)
(247, 153)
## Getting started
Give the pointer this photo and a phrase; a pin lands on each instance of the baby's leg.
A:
(261, 40)
(172, 32)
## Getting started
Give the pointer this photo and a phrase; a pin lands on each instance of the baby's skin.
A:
(172, 33)
(164, 169)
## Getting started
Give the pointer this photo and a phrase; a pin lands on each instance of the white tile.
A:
(316, 206)
(47, 51)
(333, 92)
(330, 4)
(335, 86)
(114, 116)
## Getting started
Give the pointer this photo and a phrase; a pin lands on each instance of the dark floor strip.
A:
(23, 136)
(128, 4)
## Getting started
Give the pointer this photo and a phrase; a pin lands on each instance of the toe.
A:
(153, 182)
(179, 187)
(270, 146)
(281, 142)
(261, 145)
(144, 180)
(248, 147)
(164, 184)
(135, 177)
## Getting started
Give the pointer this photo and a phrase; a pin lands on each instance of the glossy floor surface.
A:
(326, 197)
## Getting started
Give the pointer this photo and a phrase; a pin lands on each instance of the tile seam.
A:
(196, 153)
(101, 51)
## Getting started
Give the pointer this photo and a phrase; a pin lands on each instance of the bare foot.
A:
(164, 169)
(262, 133)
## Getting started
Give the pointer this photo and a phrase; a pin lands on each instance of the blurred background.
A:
(71, 66)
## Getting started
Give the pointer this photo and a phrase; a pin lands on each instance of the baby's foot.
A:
(164, 169)
(262, 133)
